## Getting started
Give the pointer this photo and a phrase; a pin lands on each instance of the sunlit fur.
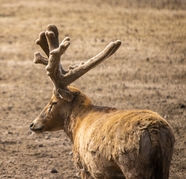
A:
(110, 143)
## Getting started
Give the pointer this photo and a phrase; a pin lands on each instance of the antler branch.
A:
(42, 42)
(54, 68)
(79, 70)
(50, 44)
(40, 59)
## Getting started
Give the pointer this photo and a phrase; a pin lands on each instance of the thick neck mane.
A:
(82, 106)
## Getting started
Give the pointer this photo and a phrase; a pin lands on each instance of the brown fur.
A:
(110, 143)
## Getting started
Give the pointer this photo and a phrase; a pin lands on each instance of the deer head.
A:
(59, 108)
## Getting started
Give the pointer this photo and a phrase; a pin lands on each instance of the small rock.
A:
(47, 137)
(54, 171)
(182, 106)
(147, 59)
(41, 145)
(166, 117)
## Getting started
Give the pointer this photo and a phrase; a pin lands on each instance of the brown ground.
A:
(147, 72)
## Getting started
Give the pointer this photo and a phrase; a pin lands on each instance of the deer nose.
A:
(31, 126)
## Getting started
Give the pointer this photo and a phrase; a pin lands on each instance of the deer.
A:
(108, 143)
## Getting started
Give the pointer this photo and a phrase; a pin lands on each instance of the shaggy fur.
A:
(110, 143)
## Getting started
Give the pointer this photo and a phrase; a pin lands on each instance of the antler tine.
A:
(117, 45)
(53, 29)
(42, 42)
(40, 59)
(52, 37)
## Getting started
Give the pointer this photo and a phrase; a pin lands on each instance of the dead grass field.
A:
(147, 72)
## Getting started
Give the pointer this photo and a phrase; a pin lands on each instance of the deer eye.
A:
(51, 106)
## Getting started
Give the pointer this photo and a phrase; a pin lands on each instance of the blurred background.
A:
(147, 72)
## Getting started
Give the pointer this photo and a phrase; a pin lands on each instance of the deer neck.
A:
(82, 110)
(73, 122)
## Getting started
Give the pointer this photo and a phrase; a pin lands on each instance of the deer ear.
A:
(64, 94)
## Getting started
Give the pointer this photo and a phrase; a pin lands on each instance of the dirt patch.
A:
(147, 72)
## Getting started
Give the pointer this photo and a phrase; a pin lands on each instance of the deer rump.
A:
(124, 144)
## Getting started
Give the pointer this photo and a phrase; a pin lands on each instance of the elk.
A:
(107, 143)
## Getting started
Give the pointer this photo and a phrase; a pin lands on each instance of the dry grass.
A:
(147, 72)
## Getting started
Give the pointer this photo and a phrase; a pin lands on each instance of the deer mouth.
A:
(36, 128)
